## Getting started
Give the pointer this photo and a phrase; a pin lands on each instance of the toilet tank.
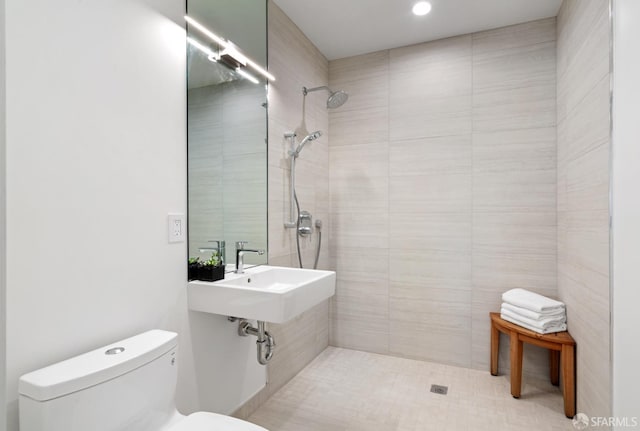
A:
(128, 385)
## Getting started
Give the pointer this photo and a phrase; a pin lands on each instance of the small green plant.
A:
(214, 260)
(211, 269)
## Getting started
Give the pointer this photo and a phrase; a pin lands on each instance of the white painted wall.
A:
(626, 209)
(96, 159)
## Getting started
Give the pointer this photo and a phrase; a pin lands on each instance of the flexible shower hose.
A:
(298, 227)
(315, 264)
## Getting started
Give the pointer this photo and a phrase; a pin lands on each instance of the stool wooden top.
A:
(555, 337)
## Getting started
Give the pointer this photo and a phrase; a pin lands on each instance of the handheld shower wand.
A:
(310, 137)
(300, 220)
(294, 152)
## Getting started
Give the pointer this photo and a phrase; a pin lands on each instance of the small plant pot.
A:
(210, 273)
(194, 271)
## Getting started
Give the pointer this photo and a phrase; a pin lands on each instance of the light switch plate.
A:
(177, 227)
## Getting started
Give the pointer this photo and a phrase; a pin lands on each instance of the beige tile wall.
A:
(443, 191)
(514, 174)
(295, 62)
(359, 178)
(583, 193)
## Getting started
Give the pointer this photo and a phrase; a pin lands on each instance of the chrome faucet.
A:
(240, 252)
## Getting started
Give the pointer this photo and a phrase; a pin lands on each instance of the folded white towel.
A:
(531, 301)
(559, 328)
(539, 324)
(534, 315)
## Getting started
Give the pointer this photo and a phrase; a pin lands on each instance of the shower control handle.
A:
(305, 224)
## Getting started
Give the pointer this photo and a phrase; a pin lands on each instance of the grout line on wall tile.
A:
(473, 203)
(388, 200)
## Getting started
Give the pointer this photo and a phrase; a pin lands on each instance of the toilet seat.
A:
(204, 421)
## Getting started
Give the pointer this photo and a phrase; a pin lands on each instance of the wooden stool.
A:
(562, 355)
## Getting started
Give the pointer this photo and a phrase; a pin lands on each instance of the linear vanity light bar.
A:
(217, 39)
(260, 70)
(247, 75)
(210, 54)
(226, 45)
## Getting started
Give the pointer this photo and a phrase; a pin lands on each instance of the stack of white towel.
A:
(532, 311)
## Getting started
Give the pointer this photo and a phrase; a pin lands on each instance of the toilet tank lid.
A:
(97, 366)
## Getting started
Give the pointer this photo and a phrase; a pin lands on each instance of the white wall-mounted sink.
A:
(268, 293)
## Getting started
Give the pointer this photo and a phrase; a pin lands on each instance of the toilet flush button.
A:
(114, 351)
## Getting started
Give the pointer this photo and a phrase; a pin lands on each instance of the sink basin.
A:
(268, 293)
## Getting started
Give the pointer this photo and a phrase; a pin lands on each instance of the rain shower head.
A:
(336, 98)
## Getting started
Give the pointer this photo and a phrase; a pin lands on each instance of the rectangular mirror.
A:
(227, 127)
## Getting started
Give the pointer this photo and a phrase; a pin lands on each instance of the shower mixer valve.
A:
(305, 227)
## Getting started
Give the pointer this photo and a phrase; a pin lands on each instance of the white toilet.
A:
(127, 386)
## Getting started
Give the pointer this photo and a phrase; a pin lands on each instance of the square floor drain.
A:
(437, 389)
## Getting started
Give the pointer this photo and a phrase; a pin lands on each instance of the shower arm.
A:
(306, 90)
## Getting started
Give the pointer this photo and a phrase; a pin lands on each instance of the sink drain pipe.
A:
(265, 342)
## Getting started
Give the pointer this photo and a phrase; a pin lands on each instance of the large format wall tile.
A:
(360, 309)
(515, 150)
(447, 231)
(433, 156)
(360, 194)
(495, 42)
(359, 161)
(364, 118)
(360, 320)
(432, 268)
(359, 202)
(430, 304)
(445, 166)
(430, 89)
(514, 77)
(417, 194)
(583, 193)
(583, 53)
(514, 175)
(586, 126)
(510, 250)
(430, 319)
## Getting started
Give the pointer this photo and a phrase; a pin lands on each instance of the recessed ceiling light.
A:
(421, 8)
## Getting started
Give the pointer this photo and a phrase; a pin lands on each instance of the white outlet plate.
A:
(177, 227)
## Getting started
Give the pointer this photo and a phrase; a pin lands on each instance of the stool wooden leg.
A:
(495, 349)
(568, 364)
(554, 366)
(516, 364)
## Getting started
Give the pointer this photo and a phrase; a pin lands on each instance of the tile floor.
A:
(348, 390)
